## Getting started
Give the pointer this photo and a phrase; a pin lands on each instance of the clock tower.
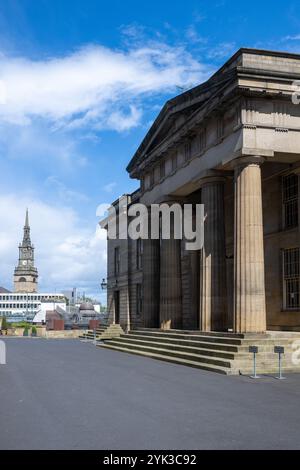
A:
(26, 275)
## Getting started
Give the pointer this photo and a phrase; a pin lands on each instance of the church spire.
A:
(26, 274)
(27, 219)
(26, 236)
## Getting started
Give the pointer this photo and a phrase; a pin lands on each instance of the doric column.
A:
(170, 283)
(151, 254)
(213, 301)
(249, 270)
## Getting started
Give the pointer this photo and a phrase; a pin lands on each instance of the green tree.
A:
(4, 324)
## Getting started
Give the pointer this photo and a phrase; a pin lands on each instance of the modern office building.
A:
(17, 306)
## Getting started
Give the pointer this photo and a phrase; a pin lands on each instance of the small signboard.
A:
(253, 349)
(279, 350)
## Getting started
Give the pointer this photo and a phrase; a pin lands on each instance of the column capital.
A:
(247, 160)
(209, 177)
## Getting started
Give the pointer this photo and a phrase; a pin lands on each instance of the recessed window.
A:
(290, 201)
(139, 253)
(187, 151)
(139, 299)
(174, 162)
(202, 140)
(162, 170)
(220, 127)
(291, 278)
(117, 260)
(152, 178)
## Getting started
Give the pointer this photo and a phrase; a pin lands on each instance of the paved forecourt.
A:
(66, 394)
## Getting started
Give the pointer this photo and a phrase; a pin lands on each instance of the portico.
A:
(232, 144)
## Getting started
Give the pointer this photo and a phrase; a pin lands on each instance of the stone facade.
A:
(233, 144)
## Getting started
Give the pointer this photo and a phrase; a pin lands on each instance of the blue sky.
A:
(80, 84)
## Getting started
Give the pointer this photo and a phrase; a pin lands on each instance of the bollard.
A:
(254, 351)
(279, 350)
(2, 352)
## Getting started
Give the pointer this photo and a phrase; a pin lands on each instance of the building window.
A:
(291, 278)
(202, 140)
(139, 253)
(174, 162)
(187, 151)
(162, 170)
(151, 178)
(139, 299)
(290, 201)
(117, 261)
(220, 127)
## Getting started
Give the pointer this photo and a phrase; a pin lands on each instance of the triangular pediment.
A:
(177, 112)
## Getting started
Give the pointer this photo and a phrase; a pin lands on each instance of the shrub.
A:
(26, 331)
(33, 331)
(4, 324)
(20, 324)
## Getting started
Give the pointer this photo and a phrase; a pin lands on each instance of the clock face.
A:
(24, 262)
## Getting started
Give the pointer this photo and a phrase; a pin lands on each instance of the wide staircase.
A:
(103, 332)
(225, 353)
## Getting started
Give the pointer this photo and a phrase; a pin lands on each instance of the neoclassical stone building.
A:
(232, 144)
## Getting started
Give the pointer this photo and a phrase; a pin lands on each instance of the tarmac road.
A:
(66, 394)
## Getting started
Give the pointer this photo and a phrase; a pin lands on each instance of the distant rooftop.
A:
(4, 291)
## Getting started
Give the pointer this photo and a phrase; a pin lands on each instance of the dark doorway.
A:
(117, 306)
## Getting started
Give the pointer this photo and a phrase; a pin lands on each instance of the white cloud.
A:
(67, 253)
(63, 192)
(78, 90)
(122, 122)
(102, 209)
(37, 142)
(292, 38)
(108, 188)
(194, 37)
(222, 50)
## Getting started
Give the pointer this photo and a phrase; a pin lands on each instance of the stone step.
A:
(264, 346)
(168, 358)
(90, 334)
(196, 357)
(193, 332)
(199, 337)
(244, 366)
(216, 352)
(104, 332)
(186, 342)
(232, 341)
(125, 339)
